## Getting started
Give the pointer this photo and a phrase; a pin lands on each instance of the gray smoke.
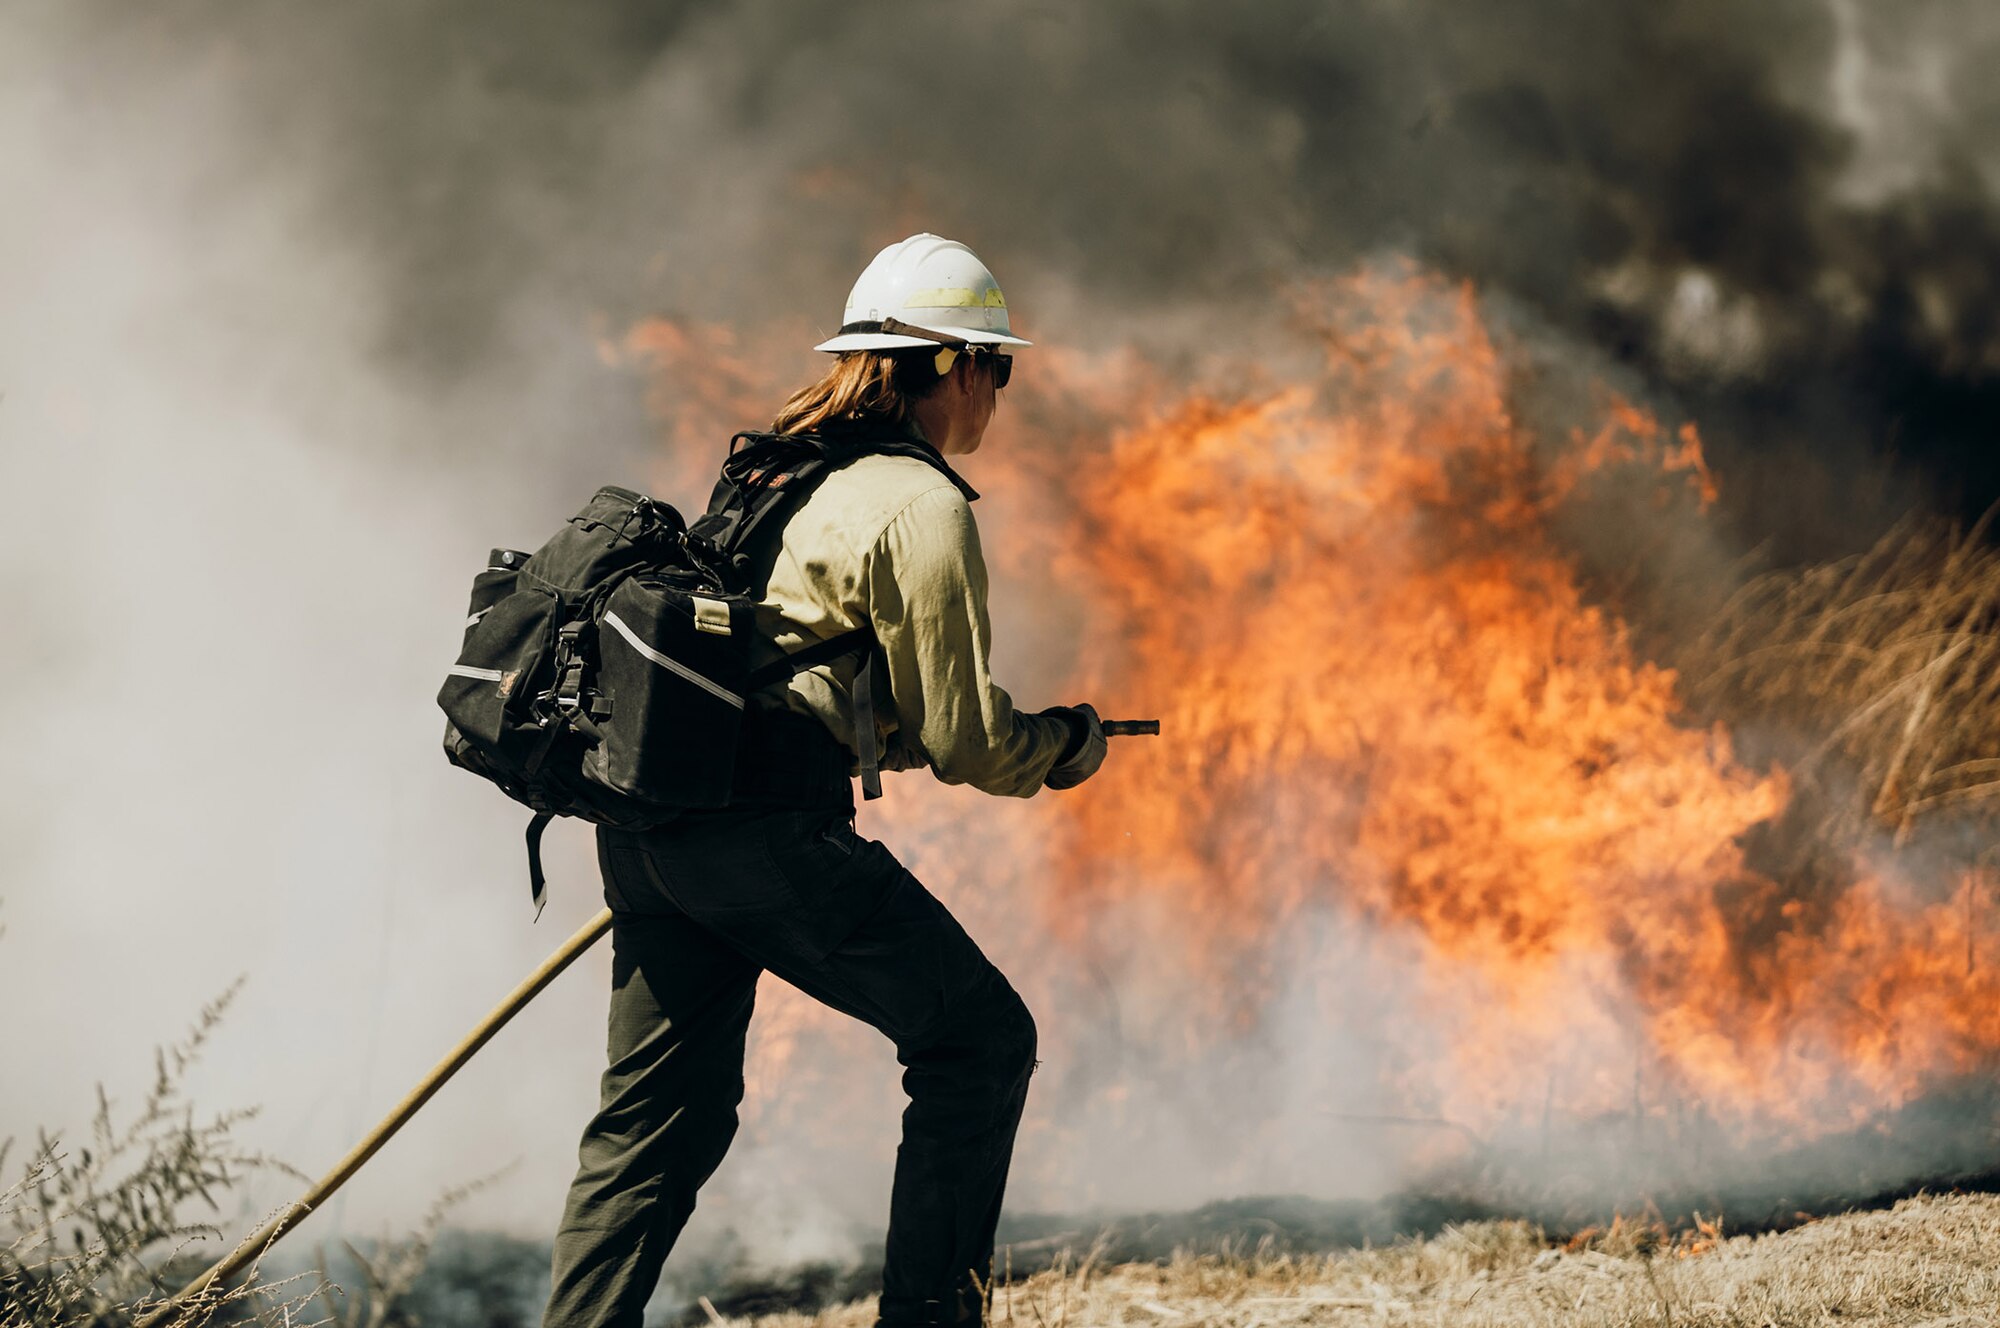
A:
(1785, 214)
(301, 310)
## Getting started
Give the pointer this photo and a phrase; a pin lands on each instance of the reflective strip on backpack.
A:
(477, 675)
(672, 666)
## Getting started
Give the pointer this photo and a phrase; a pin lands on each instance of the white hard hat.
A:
(925, 282)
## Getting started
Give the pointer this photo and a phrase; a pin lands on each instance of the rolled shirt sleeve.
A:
(926, 587)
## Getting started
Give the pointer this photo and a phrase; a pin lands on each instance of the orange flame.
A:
(1390, 710)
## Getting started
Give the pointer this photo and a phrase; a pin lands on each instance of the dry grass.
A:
(1932, 1260)
(1887, 664)
(93, 1232)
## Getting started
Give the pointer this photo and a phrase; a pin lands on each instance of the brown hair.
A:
(861, 385)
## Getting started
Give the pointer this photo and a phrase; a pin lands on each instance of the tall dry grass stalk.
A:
(1880, 674)
(93, 1231)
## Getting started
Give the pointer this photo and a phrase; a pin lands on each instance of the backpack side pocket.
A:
(499, 668)
(672, 663)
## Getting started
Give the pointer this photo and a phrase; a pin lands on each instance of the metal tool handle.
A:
(1127, 728)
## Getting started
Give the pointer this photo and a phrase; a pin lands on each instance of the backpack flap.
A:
(672, 667)
(505, 660)
(617, 532)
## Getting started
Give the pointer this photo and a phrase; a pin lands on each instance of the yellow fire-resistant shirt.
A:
(890, 540)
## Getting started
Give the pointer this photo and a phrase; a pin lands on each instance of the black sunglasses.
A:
(1003, 369)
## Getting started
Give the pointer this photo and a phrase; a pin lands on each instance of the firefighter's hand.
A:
(1086, 748)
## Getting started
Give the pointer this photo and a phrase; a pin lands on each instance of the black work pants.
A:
(700, 909)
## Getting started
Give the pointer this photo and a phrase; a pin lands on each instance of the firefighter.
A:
(779, 880)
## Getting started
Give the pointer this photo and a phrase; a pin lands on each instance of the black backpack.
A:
(605, 675)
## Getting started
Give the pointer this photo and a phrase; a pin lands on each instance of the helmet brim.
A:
(978, 336)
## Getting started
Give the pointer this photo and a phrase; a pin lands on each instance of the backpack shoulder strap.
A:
(765, 477)
(768, 475)
(903, 445)
(820, 652)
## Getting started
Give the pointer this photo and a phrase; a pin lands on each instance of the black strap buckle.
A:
(567, 694)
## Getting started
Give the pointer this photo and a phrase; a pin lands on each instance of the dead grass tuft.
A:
(1887, 663)
(1932, 1260)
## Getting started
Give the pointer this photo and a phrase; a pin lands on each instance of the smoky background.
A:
(305, 308)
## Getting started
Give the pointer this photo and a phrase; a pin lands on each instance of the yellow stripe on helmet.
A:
(959, 297)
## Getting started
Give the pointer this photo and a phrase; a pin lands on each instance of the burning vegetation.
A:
(1608, 924)
(1421, 791)
(1462, 868)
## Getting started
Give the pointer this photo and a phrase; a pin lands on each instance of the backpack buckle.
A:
(568, 691)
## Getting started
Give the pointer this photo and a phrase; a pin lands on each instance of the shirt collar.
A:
(908, 438)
